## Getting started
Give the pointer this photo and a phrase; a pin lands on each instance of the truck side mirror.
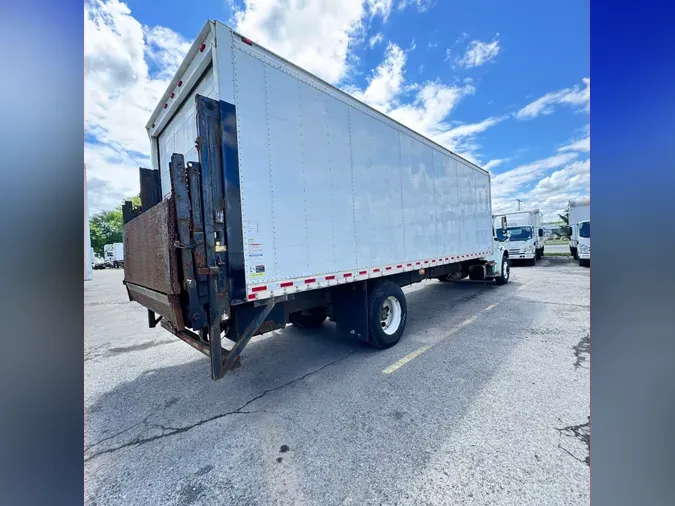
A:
(541, 232)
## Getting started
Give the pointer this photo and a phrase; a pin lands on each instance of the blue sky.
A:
(505, 84)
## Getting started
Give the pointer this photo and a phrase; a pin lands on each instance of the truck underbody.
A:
(184, 261)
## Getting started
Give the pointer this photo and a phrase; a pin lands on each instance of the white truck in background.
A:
(526, 234)
(584, 243)
(113, 254)
(577, 211)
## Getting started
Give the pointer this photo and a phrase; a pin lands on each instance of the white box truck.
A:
(584, 243)
(526, 232)
(577, 211)
(113, 254)
(285, 200)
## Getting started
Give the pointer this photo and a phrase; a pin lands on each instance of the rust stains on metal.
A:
(149, 256)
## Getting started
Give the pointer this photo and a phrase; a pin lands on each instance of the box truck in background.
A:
(577, 211)
(584, 243)
(276, 198)
(113, 254)
(526, 234)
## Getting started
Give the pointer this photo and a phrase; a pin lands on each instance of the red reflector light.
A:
(246, 41)
(409, 265)
(179, 84)
(251, 296)
(329, 277)
(310, 280)
(287, 284)
(388, 268)
(202, 47)
(259, 288)
(376, 270)
(165, 106)
(399, 266)
(361, 273)
(348, 275)
(172, 94)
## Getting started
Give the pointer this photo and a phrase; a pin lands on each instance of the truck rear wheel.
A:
(505, 272)
(387, 314)
(308, 318)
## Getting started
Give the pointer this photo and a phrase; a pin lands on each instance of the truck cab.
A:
(584, 242)
(525, 234)
(577, 211)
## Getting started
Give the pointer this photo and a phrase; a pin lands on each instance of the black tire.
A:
(533, 261)
(309, 318)
(379, 293)
(505, 271)
(574, 254)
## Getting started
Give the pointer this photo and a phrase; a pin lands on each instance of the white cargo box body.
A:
(579, 210)
(524, 219)
(331, 190)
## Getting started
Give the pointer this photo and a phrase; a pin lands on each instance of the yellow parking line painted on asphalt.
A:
(450, 333)
(467, 321)
(406, 359)
(397, 365)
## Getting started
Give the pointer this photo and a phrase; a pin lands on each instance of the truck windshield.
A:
(517, 233)
(585, 229)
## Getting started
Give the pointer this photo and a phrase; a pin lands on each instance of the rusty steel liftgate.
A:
(181, 260)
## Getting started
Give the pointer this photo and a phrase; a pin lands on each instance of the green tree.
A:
(106, 226)
(565, 228)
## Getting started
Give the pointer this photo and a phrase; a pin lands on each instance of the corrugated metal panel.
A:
(327, 187)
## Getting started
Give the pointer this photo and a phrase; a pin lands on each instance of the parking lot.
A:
(484, 401)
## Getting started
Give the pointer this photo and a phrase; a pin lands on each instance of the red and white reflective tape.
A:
(258, 292)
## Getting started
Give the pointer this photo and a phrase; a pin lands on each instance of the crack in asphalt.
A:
(581, 350)
(580, 432)
(171, 431)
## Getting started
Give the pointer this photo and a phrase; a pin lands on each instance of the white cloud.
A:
(470, 129)
(494, 163)
(432, 45)
(509, 182)
(420, 5)
(381, 7)
(551, 193)
(583, 145)
(316, 35)
(578, 96)
(385, 83)
(120, 94)
(375, 39)
(479, 53)
(112, 174)
(429, 111)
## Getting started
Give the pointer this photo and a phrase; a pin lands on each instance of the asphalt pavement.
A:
(485, 400)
